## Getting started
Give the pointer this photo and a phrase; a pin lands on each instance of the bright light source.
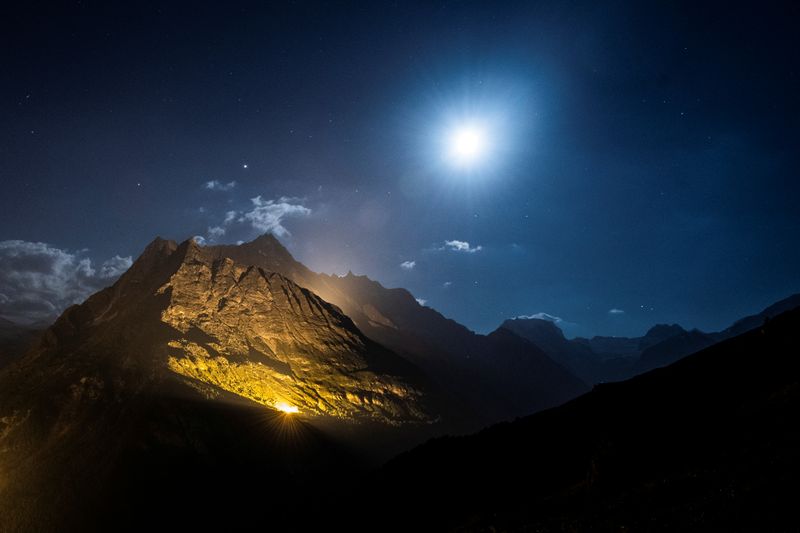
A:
(286, 408)
(467, 144)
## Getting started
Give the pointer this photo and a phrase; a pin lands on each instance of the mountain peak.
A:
(159, 245)
(535, 327)
(664, 331)
(265, 239)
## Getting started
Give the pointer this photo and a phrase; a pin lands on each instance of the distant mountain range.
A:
(603, 359)
(709, 443)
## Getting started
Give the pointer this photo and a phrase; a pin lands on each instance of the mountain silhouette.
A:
(754, 321)
(708, 443)
(602, 359)
(671, 349)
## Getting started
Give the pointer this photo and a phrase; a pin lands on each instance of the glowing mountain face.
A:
(259, 335)
(183, 313)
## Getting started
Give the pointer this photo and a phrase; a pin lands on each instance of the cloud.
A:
(216, 232)
(447, 284)
(421, 301)
(616, 311)
(267, 216)
(38, 281)
(543, 316)
(115, 267)
(460, 246)
(216, 185)
(408, 265)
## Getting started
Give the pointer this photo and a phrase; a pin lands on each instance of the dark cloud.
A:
(38, 281)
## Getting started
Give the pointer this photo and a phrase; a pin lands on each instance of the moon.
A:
(467, 145)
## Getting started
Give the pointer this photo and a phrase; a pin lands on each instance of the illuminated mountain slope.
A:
(183, 361)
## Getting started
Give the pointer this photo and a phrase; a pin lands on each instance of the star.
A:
(244, 166)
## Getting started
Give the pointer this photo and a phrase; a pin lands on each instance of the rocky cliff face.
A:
(221, 325)
(260, 335)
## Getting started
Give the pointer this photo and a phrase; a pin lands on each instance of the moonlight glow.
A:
(467, 145)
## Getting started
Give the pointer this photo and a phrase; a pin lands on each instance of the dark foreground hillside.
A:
(710, 443)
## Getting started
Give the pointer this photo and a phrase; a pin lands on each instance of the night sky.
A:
(641, 164)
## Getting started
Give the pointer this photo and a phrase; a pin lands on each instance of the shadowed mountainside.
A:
(16, 339)
(754, 321)
(602, 359)
(708, 443)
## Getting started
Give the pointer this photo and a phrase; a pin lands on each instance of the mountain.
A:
(460, 364)
(672, 348)
(575, 356)
(708, 443)
(662, 345)
(172, 379)
(214, 366)
(15, 339)
(603, 359)
(217, 388)
(259, 334)
(754, 321)
(613, 347)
